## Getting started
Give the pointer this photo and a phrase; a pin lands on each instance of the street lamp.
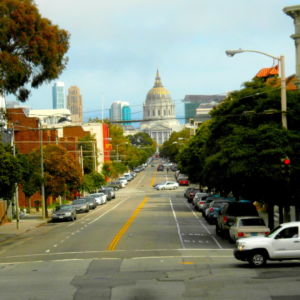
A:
(118, 150)
(231, 53)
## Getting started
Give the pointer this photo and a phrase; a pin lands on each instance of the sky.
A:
(117, 45)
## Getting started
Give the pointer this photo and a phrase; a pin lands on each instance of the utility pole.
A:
(42, 175)
(102, 107)
(94, 147)
(81, 160)
(16, 190)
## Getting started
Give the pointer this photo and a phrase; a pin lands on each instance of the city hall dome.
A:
(158, 92)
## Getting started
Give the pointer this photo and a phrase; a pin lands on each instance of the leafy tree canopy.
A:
(10, 172)
(32, 49)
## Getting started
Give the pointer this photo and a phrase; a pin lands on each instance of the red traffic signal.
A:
(287, 161)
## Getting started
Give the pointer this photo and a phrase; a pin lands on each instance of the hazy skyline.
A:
(116, 47)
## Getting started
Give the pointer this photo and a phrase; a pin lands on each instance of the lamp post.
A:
(231, 53)
(118, 150)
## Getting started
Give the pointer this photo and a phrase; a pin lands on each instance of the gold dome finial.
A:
(157, 82)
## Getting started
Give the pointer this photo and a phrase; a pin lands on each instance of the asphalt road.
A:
(145, 244)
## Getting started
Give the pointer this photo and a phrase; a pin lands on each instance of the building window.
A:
(158, 112)
(169, 112)
(153, 113)
(165, 112)
(148, 113)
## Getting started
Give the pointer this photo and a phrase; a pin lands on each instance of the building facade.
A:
(159, 119)
(120, 111)
(58, 95)
(74, 104)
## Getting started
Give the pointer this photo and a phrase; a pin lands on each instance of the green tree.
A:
(10, 172)
(93, 181)
(62, 172)
(32, 49)
(30, 175)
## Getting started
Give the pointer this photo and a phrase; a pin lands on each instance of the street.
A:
(145, 244)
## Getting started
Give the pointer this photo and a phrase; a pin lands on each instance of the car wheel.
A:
(162, 188)
(174, 188)
(72, 219)
(116, 189)
(75, 217)
(257, 259)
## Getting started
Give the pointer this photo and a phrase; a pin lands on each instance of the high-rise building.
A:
(74, 104)
(58, 95)
(120, 111)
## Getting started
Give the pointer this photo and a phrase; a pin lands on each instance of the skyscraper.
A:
(120, 111)
(58, 95)
(74, 104)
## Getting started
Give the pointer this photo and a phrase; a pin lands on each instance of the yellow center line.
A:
(153, 179)
(119, 235)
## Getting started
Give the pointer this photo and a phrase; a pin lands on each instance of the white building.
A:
(58, 95)
(51, 116)
(159, 119)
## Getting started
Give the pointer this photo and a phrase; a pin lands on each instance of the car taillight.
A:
(266, 233)
(191, 194)
(240, 234)
(201, 202)
(211, 209)
(225, 219)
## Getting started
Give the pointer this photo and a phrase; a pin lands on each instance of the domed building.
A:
(159, 118)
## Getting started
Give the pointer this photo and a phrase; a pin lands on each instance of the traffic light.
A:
(286, 167)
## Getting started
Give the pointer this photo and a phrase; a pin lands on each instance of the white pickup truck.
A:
(282, 243)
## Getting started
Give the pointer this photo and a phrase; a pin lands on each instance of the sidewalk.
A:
(27, 223)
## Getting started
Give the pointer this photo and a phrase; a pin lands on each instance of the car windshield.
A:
(252, 222)
(274, 231)
(122, 178)
(83, 201)
(219, 204)
(184, 178)
(63, 207)
(97, 195)
(90, 200)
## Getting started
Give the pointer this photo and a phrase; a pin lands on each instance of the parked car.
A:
(168, 185)
(128, 176)
(186, 191)
(92, 202)
(112, 192)
(197, 197)
(229, 212)
(81, 205)
(107, 193)
(64, 212)
(192, 194)
(123, 180)
(174, 168)
(133, 174)
(247, 226)
(176, 173)
(282, 243)
(99, 197)
(153, 165)
(199, 204)
(137, 170)
(180, 175)
(212, 212)
(116, 185)
(160, 168)
(206, 204)
(183, 181)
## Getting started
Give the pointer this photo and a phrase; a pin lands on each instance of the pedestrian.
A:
(77, 195)
(167, 169)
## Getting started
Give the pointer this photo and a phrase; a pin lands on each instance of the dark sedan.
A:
(63, 212)
(92, 202)
(81, 205)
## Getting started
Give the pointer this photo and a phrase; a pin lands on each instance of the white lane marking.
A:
(48, 251)
(62, 241)
(217, 242)
(77, 231)
(139, 181)
(108, 211)
(116, 258)
(55, 246)
(67, 237)
(203, 225)
(178, 229)
(71, 224)
(73, 233)
(81, 228)
(105, 251)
